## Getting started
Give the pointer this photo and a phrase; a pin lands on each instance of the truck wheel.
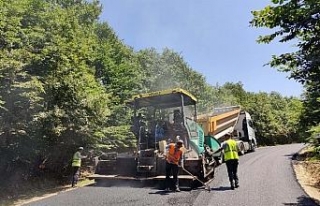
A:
(241, 151)
(252, 146)
(219, 160)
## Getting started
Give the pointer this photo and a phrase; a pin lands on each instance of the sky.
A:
(213, 37)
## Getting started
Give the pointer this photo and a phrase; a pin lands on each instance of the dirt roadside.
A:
(31, 197)
(307, 174)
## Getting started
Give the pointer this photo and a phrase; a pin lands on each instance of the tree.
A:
(169, 70)
(238, 92)
(276, 118)
(297, 20)
(118, 70)
(52, 101)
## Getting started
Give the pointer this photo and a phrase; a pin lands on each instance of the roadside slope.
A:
(307, 174)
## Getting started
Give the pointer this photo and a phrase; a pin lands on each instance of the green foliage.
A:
(314, 136)
(299, 21)
(51, 99)
(237, 91)
(169, 70)
(118, 69)
(276, 118)
(21, 92)
(119, 137)
(313, 153)
(317, 150)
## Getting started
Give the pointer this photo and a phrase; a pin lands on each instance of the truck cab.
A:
(244, 132)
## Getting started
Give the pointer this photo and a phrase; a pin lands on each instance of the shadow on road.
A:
(124, 183)
(303, 201)
(292, 156)
(159, 192)
(221, 188)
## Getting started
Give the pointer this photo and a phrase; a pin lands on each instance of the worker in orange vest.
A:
(173, 162)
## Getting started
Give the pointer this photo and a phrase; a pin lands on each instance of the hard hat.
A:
(177, 138)
(80, 148)
(179, 142)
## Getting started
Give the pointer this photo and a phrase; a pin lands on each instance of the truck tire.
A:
(241, 149)
(252, 146)
(219, 160)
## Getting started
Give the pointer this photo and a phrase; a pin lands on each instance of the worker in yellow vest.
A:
(76, 164)
(173, 162)
(231, 158)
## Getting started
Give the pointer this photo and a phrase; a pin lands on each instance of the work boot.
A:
(237, 185)
(232, 185)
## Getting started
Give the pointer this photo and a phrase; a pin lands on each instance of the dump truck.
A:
(159, 118)
(232, 120)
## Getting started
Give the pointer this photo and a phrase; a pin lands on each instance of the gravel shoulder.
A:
(308, 175)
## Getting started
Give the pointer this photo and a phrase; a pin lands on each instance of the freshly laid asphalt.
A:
(266, 179)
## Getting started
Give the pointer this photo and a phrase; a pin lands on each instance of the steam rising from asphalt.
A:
(169, 70)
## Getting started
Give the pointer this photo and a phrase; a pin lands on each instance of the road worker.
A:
(173, 162)
(231, 158)
(159, 132)
(76, 164)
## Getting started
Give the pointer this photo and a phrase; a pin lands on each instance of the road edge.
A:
(303, 178)
(47, 195)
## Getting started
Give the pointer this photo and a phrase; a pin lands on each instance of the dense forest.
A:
(65, 76)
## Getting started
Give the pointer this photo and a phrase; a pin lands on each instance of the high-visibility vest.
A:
(76, 160)
(231, 150)
(173, 154)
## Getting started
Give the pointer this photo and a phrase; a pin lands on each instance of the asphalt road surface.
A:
(266, 179)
